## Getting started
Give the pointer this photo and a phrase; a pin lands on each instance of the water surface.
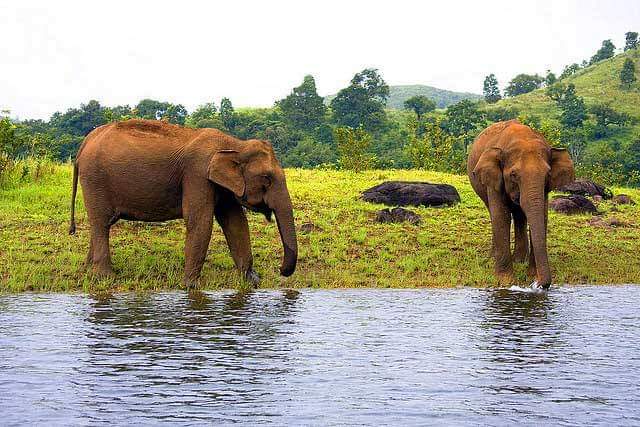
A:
(455, 356)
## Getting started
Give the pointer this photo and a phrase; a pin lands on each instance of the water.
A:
(461, 356)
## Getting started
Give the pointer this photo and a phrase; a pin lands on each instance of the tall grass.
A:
(30, 170)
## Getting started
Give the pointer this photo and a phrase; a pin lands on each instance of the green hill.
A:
(597, 84)
(442, 97)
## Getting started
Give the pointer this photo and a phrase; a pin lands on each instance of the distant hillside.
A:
(442, 97)
(598, 83)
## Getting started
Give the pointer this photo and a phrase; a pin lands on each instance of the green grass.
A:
(450, 248)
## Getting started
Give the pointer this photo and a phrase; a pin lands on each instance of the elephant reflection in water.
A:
(518, 329)
(191, 338)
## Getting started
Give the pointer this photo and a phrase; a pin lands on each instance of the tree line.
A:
(355, 130)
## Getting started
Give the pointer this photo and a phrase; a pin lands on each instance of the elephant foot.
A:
(252, 277)
(535, 285)
(103, 272)
(191, 284)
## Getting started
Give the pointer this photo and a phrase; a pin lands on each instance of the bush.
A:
(353, 149)
(16, 172)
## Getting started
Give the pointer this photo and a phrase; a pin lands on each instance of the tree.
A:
(550, 78)
(303, 109)
(435, 149)
(569, 70)
(309, 153)
(606, 116)
(151, 109)
(176, 114)
(80, 121)
(420, 105)
(362, 102)
(631, 40)
(205, 111)
(227, 114)
(490, 89)
(572, 107)
(628, 73)
(556, 91)
(607, 50)
(353, 148)
(462, 120)
(523, 83)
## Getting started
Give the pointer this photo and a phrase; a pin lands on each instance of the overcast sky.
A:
(55, 55)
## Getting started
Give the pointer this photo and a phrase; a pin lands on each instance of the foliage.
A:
(523, 83)
(550, 78)
(203, 115)
(572, 107)
(227, 114)
(353, 149)
(628, 73)
(569, 70)
(464, 121)
(435, 149)
(303, 108)
(606, 116)
(308, 154)
(362, 102)
(631, 40)
(490, 89)
(420, 105)
(606, 51)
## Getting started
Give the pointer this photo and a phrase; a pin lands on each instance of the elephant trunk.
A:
(284, 218)
(535, 208)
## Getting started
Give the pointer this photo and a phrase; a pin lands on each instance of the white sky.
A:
(55, 55)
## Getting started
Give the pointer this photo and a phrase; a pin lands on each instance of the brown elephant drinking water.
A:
(152, 171)
(512, 168)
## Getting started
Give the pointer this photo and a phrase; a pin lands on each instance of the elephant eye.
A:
(514, 175)
(266, 179)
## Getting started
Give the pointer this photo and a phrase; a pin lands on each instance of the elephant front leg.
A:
(197, 243)
(235, 226)
(521, 248)
(501, 229)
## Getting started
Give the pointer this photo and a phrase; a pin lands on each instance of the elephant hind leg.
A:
(521, 248)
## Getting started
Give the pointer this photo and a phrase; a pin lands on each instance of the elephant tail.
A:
(72, 226)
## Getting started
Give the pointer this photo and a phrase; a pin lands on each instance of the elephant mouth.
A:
(262, 208)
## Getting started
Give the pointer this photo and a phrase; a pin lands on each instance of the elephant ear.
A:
(225, 170)
(489, 170)
(562, 172)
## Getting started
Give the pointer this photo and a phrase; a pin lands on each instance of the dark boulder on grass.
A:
(398, 215)
(404, 193)
(583, 187)
(623, 199)
(573, 204)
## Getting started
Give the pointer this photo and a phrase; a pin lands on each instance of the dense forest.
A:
(590, 108)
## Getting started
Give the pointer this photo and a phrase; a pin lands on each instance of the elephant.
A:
(148, 170)
(512, 168)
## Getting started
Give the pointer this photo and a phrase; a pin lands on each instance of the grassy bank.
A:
(450, 248)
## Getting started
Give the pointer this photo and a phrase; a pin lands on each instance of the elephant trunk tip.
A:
(72, 228)
(289, 262)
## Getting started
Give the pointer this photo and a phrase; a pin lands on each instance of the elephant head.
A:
(251, 171)
(525, 173)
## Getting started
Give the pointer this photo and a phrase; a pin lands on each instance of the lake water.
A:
(453, 356)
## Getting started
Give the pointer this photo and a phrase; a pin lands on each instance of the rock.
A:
(613, 222)
(623, 199)
(403, 193)
(309, 227)
(573, 204)
(398, 215)
(584, 187)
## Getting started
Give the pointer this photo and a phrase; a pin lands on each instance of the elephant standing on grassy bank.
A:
(149, 170)
(512, 168)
